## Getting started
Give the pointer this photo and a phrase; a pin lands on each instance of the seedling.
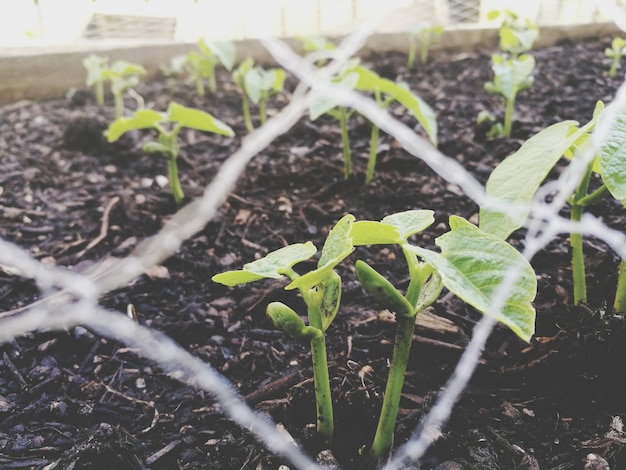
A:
(168, 125)
(321, 291)
(425, 36)
(257, 85)
(200, 65)
(123, 76)
(615, 53)
(511, 76)
(472, 264)
(95, 65)
(517, 34)
(385, 91)
(518, 177)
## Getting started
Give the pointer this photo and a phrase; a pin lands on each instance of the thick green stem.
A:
(371, 163)
(263, 109)
(508, 117)
(412, 50)
(247, 120)
(119, 105)
(172, 174)
(578, 259)
(323, 400)
(389, 412)
(594, 196)
(99, 92)
(619, 306)
(416, 282)
(345, 141)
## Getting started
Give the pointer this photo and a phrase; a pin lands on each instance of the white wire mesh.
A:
(70, 299)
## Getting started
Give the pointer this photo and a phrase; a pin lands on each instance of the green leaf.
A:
(517, 178)
(95, 65)
(369, 232)
(429, 292)
(410, 222)
(253, 84)
(196, 119)
(272, 266)
(511, 75)
(338, 245)
(322, 104)
(225, 52)
(382, 290)
(329, 291)
(287, 320)
(124, 68)
(472, 265)
(142, 119)
(612, 151)
(416, 105)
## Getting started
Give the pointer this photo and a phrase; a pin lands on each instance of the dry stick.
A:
(104, 226)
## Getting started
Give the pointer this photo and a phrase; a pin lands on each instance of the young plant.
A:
(168, 125)
(257, 85)
(425, 36)
(321, 291)
(95, 66)
(385, 91)
(200, 65)
(123, 76)
(615, 53)
(471, 264)
(518, 177)
(511, 76)
(517, 34)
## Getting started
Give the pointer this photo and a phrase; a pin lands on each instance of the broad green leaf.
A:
(517, 178)
(123, 68)
(253, 84)
(382, 290)
(612, 149)
(142, 119)
(272, 265)
(416, 105)
(95, 66)
(240, 72)
(225, 52)
(511, 75)
(472, 265)
(196, 119)
(410, 222)
(367, 79)
(369, 232)
(337, 246)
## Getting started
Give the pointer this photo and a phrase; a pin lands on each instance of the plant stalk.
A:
(345, 141)
(199, 86)
(619, 305)
(508, 117)
(578, 259)
(371, 163)
(321, 379)
(212, 80)
(99, 92)
(172, 174)
(263, 108)
(119, 105)
(247, 120)
(412, 50)
(389, 412)
(424, 52)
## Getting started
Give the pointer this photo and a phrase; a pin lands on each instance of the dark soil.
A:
(75, 400)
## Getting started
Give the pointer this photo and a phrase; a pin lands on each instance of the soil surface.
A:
(75, 400)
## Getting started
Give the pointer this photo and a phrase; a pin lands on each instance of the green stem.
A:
(614, 67)
(412, 50)
(199, 86)
(212, 80)
(508, 117)
(321, 379)
(593, 197)
(576, 240)
(172, 174)
(424, 52)
(246, 113)
(263, 109)
(389, 412)
(371, 163)
(416, 281)
(619, 305)
(119, 105)
(99, 93)
(345, 141)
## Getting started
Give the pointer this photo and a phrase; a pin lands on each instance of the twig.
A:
(104, 227)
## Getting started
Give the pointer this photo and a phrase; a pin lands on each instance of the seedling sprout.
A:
(424, 35)
(615, 53)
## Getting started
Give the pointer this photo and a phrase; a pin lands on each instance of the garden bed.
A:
(81, 401)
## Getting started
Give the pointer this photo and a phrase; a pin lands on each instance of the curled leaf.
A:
(382, 290)
(287, 320)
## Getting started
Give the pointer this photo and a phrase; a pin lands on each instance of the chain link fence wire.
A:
(70, 299)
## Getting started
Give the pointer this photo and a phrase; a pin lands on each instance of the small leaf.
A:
(253, 84)
(410, 222)
(287, 320)
(330, 298)
(382, 290)
(429, 292)
(270, 266)
(473, 264)
(369, 232)
(142, 119)
(196, 119)
(338, 245)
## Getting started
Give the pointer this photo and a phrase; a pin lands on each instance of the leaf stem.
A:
(263, 108)
(389, 412)
(246, 112)
(412, 50)
(371, 163)
(199, 86)
(619, 305)
(119, 105)
(172, 174)
(99, 86)
(576, 241)
(508, 117)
